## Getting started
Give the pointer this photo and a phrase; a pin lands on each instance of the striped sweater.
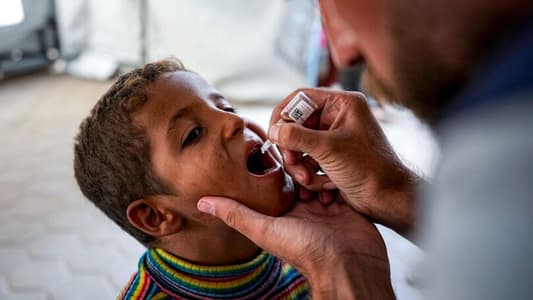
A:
(164, 276)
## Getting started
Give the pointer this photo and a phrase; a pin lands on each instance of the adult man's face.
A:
(356, 33)
(417, 52)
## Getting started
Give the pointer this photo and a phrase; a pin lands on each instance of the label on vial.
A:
(301, 112)
(298, 109)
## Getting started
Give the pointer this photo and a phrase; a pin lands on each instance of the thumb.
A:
(297, 138)
(250, 223)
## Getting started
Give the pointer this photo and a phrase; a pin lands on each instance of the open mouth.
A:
(259, 163)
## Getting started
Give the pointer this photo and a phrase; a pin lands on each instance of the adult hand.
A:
(344, 140)
(340, 252)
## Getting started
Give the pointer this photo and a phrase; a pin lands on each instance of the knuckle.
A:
(231, 219)
(296, 91)
(359, 96)
(267, 229)
(233, 216)
(329, 151)
(360, 103)
(289, 136)
(322, 151)
(292, 169)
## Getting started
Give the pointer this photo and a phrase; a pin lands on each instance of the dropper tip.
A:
(265, 146)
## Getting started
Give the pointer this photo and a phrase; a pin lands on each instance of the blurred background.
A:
(58, 56)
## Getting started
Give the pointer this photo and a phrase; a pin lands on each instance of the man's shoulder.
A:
(478, 220)
(488, 151)
(499, 132)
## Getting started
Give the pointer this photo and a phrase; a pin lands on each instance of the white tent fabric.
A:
(231, 43)
(73, 25)
(108, 27)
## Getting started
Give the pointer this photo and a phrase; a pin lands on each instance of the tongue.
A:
(259, 163)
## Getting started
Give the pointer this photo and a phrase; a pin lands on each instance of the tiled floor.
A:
(56, 245)
(53, 243)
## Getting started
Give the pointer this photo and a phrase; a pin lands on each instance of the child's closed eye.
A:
(229, 109)
(192, 137)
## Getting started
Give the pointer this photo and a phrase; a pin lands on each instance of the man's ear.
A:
(152, 218)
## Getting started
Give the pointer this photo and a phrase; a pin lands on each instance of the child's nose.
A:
(233, 125)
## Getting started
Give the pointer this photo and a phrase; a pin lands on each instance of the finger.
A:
(297, 138)
(289, 157)
(276, 112)
(306, 176)
(311, 168)
(318, 96)
(334, 105)
(325, 99)
(255, 226)
(304, 194)
(300, 173)
(303, 168)
(320, 183)
(310, 163)
(326, 197)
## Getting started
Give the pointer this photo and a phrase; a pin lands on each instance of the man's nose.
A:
(343, 44)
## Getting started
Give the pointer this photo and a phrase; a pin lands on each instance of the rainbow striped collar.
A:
(180, 278)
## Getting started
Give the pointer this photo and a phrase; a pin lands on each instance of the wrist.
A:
(397, 193)
(359, 277)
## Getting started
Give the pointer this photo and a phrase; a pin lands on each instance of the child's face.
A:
(199, 147)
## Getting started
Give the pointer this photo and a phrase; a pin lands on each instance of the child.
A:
(153, 145)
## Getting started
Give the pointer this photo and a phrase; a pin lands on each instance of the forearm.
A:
(360, 278)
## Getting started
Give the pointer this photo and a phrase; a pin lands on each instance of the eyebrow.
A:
(219, 99)
(178, 115)
(216, 96)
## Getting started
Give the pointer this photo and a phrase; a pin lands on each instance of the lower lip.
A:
(273, 172)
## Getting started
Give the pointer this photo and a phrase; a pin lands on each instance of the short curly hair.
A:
(112, 154)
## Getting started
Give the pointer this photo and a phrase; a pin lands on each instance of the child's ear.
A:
(154, 219)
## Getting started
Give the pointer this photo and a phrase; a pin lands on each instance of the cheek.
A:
(209, 173)
(380, 60)
(273, 198)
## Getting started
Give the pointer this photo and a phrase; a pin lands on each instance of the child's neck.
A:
(206, 248)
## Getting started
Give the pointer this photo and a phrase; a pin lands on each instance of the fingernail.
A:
(273, 133)
(329, 186)
(299, 177)
(206, 207)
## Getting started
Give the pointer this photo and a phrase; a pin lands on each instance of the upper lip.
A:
(251, 145)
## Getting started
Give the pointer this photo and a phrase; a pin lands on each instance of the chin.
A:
(286, 197)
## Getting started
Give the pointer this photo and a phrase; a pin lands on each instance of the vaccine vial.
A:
(299, 109)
